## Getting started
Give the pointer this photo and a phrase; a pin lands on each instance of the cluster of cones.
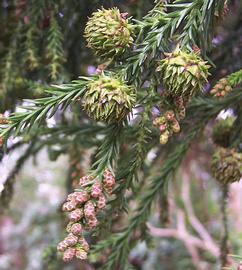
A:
(168, 125)
(222, 88)
(83, 206)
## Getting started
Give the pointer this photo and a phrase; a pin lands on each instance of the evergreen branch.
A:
(205, 109)
(37, 9)
(108, 151)
(30, 50)
(235, 78)
(127, 171)
(197, 19)
(54, 49)
(120, 242)
(43, 108)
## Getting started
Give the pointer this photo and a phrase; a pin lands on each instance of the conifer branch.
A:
(120, 242)
(108, 151)
(54, 49)
(30, 51)
(235, 78)
(205, 109)
(42, 108)
(197, 18)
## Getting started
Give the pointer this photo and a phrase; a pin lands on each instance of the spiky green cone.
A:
(109, 33)
(108, 99)
(222, 131)
(183, 73)
(227, 166)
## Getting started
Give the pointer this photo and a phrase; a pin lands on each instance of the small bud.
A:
(85, 179)
(228, 88)
(101, 203)
(81, 254)
(69, 206)
(84, 243)
(82, 196)
(69, 254)
(89, 210)
(176, 127)
(68, 227)
(163, 127)
(109, 181)
(169, 115)
(3, 120)
(71, 239)
(76, 228)
(96, 190)
(71, 197)
(62, 246)
(92, 223)
(164, 138)
(76, 215)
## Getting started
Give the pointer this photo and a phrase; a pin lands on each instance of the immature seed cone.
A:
(108, 32)
(108, 99)
(183, 73)
(222, 131)
(227, 166)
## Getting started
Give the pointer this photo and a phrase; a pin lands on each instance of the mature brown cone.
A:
(227, 166)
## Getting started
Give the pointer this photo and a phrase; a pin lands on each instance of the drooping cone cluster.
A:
(168, 125)
(227, 166)
(183, 73)
(109, 33)
(221, 88)
(108, 99)
(83, 206)
(222, 131)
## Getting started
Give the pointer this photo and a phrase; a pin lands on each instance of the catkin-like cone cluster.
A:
(82, 207)
(168, 125)
(221, 88)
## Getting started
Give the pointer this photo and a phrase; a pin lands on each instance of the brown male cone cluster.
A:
(83, 206)
(168, 125)
(221, 88)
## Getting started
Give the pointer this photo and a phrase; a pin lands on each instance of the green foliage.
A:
(123, 144)
(235, 78)
(54, 49)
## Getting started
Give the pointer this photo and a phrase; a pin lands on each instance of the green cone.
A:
(227, 166)
(222, 131)
(108, 33)
(183, 73)
(108, 99)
